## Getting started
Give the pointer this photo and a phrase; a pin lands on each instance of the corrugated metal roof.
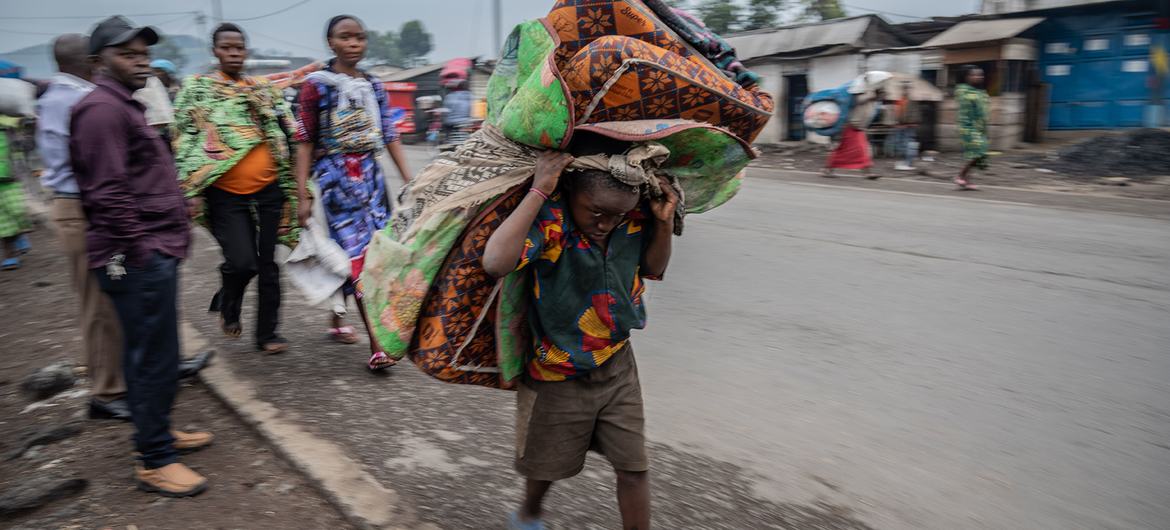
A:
(973, 31)
(920, 31)
(407, 75)
(790, 39)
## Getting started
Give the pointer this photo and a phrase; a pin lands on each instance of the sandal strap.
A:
(377, 359)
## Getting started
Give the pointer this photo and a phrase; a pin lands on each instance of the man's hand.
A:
(664, 207)
(549, 166)
(194, 207)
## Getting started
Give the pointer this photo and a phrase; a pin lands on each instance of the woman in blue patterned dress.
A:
(344, 122)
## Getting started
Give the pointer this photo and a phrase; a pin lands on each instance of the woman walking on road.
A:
(974, 108)
(853, 150)
(344, 122)
(233, 159)
(14, 218)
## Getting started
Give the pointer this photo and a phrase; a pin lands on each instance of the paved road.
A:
(822, 357)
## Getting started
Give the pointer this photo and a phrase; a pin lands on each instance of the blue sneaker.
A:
(514, 523)
(10, 264)
(22, 244)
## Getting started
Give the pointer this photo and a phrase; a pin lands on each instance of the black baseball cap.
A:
(116, 31)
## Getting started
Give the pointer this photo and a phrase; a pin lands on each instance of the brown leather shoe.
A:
(188, 442)
(174, 480)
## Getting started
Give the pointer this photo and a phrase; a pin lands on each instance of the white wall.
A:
(834, 71)
(1020, 50)
(772, 81)
(1000, 7)
(822, 72)
(1005, 124)
(905, 62)
(478, 84)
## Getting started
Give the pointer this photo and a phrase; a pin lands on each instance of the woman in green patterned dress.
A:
(14, 221)
(231, 137)
(974, 108)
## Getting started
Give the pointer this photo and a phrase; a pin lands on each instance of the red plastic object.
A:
(454, 71)
(401, 95)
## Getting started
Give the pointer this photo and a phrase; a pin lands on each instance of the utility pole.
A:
(497, 31)
(201, 21)
(217, 11)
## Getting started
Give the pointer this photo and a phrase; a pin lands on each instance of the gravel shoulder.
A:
(251, 487)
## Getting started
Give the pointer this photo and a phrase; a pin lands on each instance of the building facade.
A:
(1050, 65)
(794, 61)
(1104, 62)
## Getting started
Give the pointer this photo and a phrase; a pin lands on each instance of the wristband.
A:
(537, 191)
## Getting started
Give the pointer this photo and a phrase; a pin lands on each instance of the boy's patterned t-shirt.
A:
(585, 300)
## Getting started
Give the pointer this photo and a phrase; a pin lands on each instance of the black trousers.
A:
(245, 227)
(146, 300)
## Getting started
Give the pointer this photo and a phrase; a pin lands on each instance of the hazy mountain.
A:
(38, 60)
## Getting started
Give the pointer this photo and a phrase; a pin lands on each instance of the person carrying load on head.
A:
(589, 241)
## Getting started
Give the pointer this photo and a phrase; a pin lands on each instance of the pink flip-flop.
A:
(344, 335)
(380, 361)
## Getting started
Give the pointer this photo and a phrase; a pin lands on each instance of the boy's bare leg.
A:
(534, 492)
(361, 305)
(10, 247)
(633, 492)
(375, 347)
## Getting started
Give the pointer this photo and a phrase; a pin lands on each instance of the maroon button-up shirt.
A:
(129, 186)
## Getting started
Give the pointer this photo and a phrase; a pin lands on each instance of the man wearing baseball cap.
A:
(136, 236)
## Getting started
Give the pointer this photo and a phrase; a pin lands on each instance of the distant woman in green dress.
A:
(974, 107)
(14, 220)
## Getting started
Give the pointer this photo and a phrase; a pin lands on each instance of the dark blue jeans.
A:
(146, 300)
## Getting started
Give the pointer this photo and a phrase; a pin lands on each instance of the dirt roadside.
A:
(251, 487)
(1030, 169)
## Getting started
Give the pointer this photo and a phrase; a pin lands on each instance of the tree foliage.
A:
(406, 47)
(822, 10)
(725, 16)
(414, 41)
(383, 46)
(728, 16)
(720, 16)
(763, 14)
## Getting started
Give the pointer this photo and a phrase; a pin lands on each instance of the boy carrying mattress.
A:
(588, 241)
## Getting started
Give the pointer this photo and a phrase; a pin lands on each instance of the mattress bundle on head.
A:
(636, 71)
(827, 112)
(17, 98)
(618, 61)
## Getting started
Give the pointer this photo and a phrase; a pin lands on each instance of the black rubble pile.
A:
(1138, 153)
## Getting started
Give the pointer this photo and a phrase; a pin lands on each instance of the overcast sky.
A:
(461, 27)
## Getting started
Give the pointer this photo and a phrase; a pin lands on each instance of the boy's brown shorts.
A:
(557, 423)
